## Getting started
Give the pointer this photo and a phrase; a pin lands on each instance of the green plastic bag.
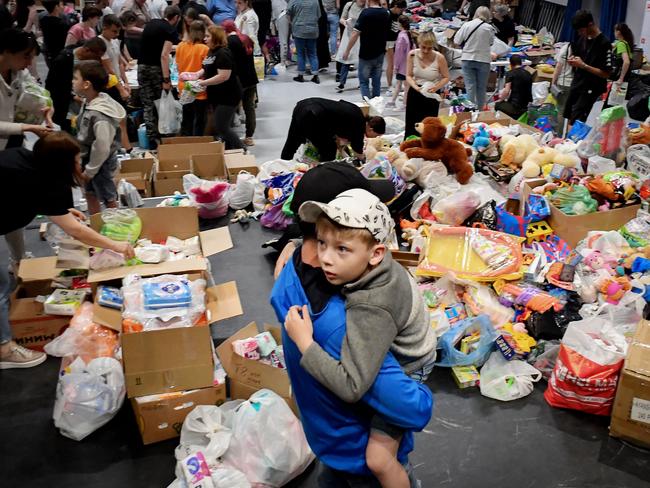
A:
(121, 225)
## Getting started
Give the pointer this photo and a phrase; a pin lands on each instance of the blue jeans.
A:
(306, 50)
(370, 69)
(332, 478)
(476, 76)
(333, 22)
(343, 75)
(5, 292)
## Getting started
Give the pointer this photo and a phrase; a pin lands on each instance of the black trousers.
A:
(580, 102)
(194, 118)
(509, 109)
(418, 107)
(305, 127)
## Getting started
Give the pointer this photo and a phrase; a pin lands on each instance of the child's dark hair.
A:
(94, 73)
(582, 19)
(378, 124)
(515, 60)
(89, 13)
(50, 5)
(405, 22)
(110, 20)
(625, 31)
(398, 4)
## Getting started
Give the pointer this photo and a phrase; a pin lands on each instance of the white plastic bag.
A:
(268, 169)
(241, 195)
(204, 430)
(170, 113)
(210, 197)
(129, 195)
(540, 91)
(394, 125)
(377, 106)
(268, 444)
(507, 380)
(499, 47)
(88, 396)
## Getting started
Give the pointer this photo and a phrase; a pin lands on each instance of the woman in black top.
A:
(241, 47)
(41, 182)
(222, 85)
(506, 30)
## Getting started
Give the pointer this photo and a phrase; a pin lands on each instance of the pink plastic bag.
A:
(210, 197)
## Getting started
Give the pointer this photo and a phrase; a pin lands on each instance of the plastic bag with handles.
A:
(507, 380)
(170, 113)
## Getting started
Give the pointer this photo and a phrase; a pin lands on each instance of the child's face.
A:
(345, 260)
(111, 32)
(79, 86)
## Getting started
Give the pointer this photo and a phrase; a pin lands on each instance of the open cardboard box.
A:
(209, 166)
(247, 376)
(175, 161)
(574, 228)
(161, 417)
(175, 359)
(157, 225)
(489, 118)
(237, 161)
(30, 326)
(140, 173)
(631, 412)
(187, 140)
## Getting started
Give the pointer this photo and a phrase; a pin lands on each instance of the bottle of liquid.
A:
(143, 140)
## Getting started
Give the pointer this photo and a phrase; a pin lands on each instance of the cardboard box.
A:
(489, 118)
(160, 417)
(140, 173)
(631, 412)
(187, 140)
(574, 228)
(236, 162)
(175, 161)
(30, 326)
(175, 359)
(247, 376)
(157, 225)
(209, 166)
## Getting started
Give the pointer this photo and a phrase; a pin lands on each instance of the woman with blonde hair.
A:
(222, 85)
(476, 38)
(426, 74)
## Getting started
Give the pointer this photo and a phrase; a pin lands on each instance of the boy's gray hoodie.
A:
(384, 311)
(98, 131)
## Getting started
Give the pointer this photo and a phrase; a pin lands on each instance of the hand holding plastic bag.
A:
(507, 380)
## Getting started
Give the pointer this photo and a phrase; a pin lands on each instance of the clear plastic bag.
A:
(210, 197)
(242, 193)
(507, 380)
(129, 195)
(456, 208)
(450, 356)
(170, 113)
(88, 396)
(33, 99)
(544, 357)
(268, 443)
(121, 224)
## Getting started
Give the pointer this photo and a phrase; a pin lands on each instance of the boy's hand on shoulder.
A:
(299, 327)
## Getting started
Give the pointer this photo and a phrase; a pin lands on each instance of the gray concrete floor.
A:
(470, 442)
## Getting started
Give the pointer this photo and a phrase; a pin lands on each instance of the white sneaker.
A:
(14, 356)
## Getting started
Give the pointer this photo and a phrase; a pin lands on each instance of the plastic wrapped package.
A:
(88, 396)
(31, 102)
(454, 209)
(480, 299)
(484, 217)
(588, 366)
(450, 355)
(152, 253)
(268, 169)
(129, 195)
(241, 194)
(507, 380)
(381, 168)
(544, 357)
(638, 160)
(106, 259)
(121, 224)
(182, 306)
(475, 254)
(210, 197)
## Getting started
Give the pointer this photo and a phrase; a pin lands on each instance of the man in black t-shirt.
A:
(592, 61)
(518, 91)
(372, 28)
(54, 29)
(158, 37)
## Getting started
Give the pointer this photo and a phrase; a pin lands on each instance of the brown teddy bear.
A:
(433, 145)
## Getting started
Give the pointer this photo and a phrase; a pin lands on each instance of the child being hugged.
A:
(384, 312)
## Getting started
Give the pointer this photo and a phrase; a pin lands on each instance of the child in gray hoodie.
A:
(384, 312)
(98, 131)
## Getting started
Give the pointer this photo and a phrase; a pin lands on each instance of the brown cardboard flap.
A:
(214, 241)
(223, 301)
(162, 361)
(168, 267)
(38, 269)
(209, 166)
(163, 188)
(160, 223)
(141, 166)
(238, 162)
(107, 317)
(187, 140)
(638, 356)
(225, 351)
(176, 153)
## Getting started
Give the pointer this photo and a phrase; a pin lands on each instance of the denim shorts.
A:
(380, 425)
(102, 185)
